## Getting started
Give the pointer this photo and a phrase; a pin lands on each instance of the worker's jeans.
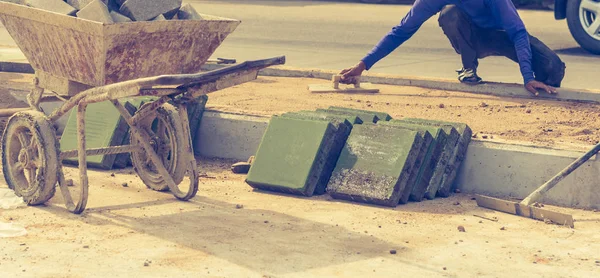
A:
(473, 42)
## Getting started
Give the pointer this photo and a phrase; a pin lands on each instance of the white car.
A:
(583, 18)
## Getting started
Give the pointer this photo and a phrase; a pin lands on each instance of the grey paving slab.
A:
(375, 164)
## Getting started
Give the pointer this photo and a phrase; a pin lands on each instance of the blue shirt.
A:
(492, 14)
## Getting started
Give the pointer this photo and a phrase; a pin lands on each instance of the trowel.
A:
(334, 87)
(529, 206)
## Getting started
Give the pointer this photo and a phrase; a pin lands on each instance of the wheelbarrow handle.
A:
(188, 80)
(538, 193)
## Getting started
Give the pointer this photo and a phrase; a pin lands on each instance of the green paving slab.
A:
(381, 116)
(195, 112)
(364, 117)
(457, 157)
(123, 160)
(292, 156)
(352, 119)
(104, 128)
(342, 127)
(423, 159)
(375, 164)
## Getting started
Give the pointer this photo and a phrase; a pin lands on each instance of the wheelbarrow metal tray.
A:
(91, 53)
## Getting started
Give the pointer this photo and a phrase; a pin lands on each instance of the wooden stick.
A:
(483, 217)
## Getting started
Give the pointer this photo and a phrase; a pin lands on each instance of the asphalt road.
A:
(334, 35)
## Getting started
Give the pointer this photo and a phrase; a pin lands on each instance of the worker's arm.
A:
(418, 14)
(506, 16)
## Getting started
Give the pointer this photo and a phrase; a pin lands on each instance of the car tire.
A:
(577, 23)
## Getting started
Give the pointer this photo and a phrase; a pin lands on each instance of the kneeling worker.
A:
(476, 29)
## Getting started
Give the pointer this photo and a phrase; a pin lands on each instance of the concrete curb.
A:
(495, 89)
(498, 169)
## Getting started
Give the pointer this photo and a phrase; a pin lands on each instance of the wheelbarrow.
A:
(81, 62)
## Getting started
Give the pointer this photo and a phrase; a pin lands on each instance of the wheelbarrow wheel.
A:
(30, 157)
(166, 131)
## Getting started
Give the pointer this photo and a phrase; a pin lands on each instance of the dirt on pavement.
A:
(230, 230)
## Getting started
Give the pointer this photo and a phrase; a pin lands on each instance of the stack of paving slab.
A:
(359, 155)
(117, 11)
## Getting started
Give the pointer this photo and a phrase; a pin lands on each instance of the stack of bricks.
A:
(117, 11)
(359, 155)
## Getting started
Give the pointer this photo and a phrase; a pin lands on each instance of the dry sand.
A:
(540, 121)
(273, 235)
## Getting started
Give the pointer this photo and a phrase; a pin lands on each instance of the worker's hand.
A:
(349, 75)
(534, 86)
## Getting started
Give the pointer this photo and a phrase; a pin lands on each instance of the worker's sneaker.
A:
(468, 76)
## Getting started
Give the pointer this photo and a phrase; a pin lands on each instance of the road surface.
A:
(334, 35)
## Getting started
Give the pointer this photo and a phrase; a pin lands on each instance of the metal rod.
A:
(64, 189)
(82, 159)
(67, 106)
(123, 111)
(538, 193)
(58, 96)
(148, 109)
(101, 151)
(10, 111)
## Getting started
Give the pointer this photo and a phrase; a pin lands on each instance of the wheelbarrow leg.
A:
(189, 157)
(82, 159)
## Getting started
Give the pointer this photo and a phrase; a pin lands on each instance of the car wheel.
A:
(583, 18)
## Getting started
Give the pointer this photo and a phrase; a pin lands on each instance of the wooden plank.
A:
(556, 217)
(365, 88)
(496, 204)
(525, 211)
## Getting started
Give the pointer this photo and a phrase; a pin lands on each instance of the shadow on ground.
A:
(576, 51)
(261, 240)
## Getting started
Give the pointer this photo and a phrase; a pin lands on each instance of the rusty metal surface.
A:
(10, 111)
(189, 157)
(100, 151)
(206, 81)
(146, 110)
(82, 159)
(97, 54)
